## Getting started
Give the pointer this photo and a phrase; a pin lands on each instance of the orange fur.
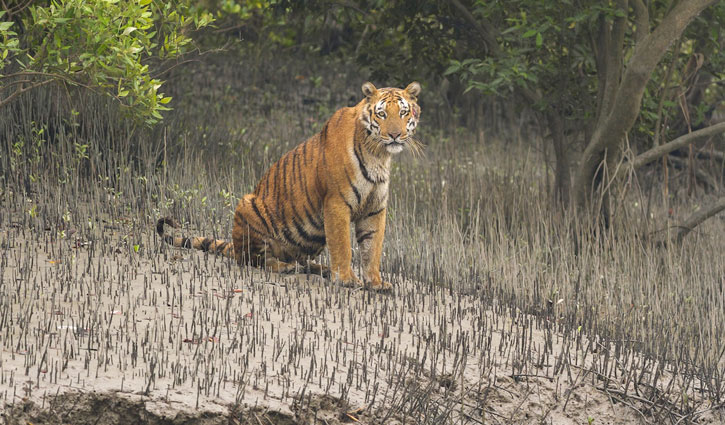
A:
(311, 196)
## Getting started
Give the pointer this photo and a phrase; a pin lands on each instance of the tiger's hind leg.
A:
(254, 239)
(255, 243)
(252, 229)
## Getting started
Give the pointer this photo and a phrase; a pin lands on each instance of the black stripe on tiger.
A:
(183, 242)
(365, 236)
(206, 243)
(305, 240)
(345, 200)
(277, 186)
(363, 169)
(354, 188)
(166, 220)
(285, 160)
(246, 224)
(375, 212)
(316, 239)
(259, 214)
(296, 217)
(288, 236)
(296, 167)
(312, 220)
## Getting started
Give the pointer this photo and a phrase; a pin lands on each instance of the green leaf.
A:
(4, 26)
(539, 39)
(165, 100)
(452, 69)
(529, 33)
(129, 30)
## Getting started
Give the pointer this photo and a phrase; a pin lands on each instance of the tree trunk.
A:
(609, 132)
(562, 166)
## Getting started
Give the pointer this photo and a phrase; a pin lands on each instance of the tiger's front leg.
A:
(337, 232)
(369, 233)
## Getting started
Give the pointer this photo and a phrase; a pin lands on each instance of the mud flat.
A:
(116, 329)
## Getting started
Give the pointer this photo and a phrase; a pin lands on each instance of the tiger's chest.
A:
(368, 184)
(374, 197)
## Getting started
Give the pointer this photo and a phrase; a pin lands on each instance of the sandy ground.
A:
(117, 329)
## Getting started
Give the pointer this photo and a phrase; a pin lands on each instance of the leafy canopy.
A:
(102, 45)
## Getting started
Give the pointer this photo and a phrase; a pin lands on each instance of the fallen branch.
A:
(699, 216)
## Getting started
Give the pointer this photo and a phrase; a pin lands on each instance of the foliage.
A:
(106, 46)
(692, 92)
(551, 47)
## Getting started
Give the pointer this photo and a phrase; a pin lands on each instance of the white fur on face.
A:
(410, 126)
(394, 148)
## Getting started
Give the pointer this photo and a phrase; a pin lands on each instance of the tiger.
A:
(313, 194)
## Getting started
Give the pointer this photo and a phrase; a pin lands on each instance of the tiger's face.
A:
(391, 115)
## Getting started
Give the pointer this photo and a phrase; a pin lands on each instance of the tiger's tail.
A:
(215, 246)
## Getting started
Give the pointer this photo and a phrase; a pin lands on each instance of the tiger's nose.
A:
(394, 135)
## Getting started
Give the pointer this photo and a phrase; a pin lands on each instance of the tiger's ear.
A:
(369, 89)
(413, 89)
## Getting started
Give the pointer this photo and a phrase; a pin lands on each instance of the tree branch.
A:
(641, 20)
(21, 90)
(15, 9)
(699, 216)
(486, 30)
(714, 155)
(609, 134)
(52, 77)
(680, 142)
(612, 50)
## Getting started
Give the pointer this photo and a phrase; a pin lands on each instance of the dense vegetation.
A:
(572, 148)
(609, 81)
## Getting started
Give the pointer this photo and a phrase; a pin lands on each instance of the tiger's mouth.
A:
(394, 146)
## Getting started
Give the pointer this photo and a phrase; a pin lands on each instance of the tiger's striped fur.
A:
(311, 196)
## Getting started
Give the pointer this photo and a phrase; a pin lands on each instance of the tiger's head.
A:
(390, 115)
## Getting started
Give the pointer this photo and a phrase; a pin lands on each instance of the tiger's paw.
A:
(379, 285)
(347, 280)
(317, 269)
(352, 282)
